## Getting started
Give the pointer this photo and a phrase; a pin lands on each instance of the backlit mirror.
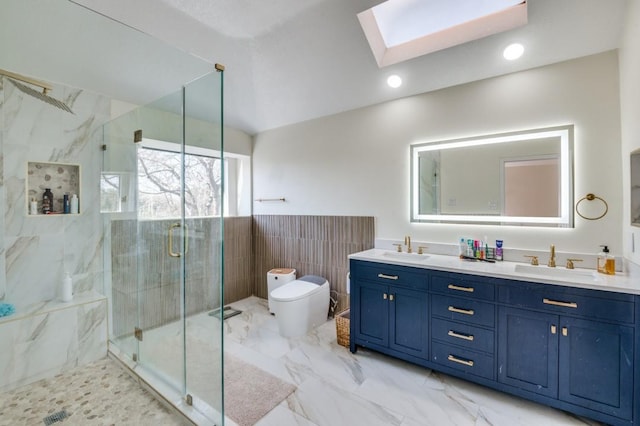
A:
(516, 178)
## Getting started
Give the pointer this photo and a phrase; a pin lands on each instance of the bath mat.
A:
(249, 392)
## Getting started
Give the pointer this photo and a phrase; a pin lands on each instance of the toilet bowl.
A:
(301, 305)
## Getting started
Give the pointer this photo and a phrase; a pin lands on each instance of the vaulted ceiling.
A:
(286, 60)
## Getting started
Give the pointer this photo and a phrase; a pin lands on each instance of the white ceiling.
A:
(286, 60)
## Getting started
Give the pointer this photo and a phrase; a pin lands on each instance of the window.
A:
(159, 183)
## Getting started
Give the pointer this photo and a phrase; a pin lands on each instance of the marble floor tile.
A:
(336, 387)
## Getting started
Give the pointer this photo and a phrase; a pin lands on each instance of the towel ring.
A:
(591, 197)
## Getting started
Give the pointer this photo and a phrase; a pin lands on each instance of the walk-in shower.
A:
(163, 186)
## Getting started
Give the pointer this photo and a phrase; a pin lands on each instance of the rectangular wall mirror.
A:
(519, 178)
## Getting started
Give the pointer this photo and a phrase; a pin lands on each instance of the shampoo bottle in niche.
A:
(74, 204)
(47, 201)
(66, 292)
(606, 262)
(33, 206)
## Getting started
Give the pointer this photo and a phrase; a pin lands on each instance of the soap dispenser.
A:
(606, 262)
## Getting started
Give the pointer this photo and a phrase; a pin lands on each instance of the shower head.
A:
(32, 92)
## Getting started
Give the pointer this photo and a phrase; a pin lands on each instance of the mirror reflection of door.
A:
(530, 186)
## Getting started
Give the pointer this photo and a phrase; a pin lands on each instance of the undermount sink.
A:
(409, 257)
(561, 273)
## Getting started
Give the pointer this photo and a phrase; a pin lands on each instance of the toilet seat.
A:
(298, 289)
(293, 290)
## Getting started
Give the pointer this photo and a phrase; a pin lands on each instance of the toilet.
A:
(301, 305)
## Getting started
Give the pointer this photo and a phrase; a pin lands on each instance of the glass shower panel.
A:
(162, 200)
(204, 207)
(146, 281)
(160, 271)
(117, 204)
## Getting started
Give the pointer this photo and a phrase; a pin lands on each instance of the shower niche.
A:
(60, 179)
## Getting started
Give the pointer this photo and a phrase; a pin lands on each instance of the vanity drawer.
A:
(593, 304)
(467, 310)
(390, 274)
(462, 359)
(463, 286)
(465, 335)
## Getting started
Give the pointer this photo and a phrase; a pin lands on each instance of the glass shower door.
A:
(163, 203)
(204, 207)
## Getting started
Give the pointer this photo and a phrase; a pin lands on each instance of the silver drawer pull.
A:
(468, 363)
(455, 287)
(388, 277)
(557, 303)
(461, 311)
(468, 337)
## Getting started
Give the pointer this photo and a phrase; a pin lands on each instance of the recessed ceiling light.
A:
(394, 81)
(513, 51)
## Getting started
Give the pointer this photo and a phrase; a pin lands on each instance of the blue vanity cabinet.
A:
(573, 345)
(389, 309)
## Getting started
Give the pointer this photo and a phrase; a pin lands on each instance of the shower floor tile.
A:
(101, 393)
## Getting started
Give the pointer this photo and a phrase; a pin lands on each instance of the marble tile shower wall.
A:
(37, 250)
(317, 245)
(145, 276)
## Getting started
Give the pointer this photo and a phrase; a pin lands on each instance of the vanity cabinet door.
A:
(596, 366)
(528, 350)
(409, 322)
(372, 323)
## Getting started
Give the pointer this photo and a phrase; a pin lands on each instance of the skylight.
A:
(398, 30)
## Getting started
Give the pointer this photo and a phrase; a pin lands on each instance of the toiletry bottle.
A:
(74, 204)
(66, 292)
(33, 206)
(606, 262)
(46, 205)
(66, 206)
(462, 248)
(48, 195)
(499, 249)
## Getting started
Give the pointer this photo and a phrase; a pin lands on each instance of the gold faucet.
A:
(570, 263)
(407, 242)
(552, 257)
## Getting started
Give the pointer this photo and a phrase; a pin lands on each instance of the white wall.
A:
(357, 162)
(629, 113)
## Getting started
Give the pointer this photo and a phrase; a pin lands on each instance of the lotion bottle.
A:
(33, 206)
(74, 204)
(66, 293)
(606, 262)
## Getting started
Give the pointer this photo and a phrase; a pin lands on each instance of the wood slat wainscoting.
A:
(317, 245)
(144, 245)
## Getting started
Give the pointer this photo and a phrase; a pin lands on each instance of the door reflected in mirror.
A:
(517, 178)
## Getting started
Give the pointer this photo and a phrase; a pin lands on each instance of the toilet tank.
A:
(276, 278)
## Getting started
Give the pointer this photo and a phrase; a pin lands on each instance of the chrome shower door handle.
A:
(171, 228)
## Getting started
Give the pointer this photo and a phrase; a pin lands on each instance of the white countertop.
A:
(623, 282)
